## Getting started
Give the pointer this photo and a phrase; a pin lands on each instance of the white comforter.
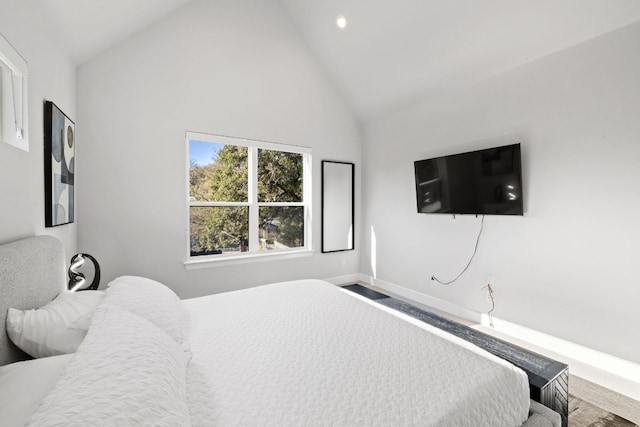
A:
(309, 353)
(290, 354)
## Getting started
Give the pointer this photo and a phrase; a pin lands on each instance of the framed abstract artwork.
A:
(59, 166)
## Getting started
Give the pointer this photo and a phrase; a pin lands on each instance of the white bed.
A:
(286, 354)
(309, 353)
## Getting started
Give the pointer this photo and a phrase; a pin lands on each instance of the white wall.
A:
(225, 67)
(569, 267)
(51, 77)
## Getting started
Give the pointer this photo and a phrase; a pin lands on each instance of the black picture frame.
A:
(59, 166)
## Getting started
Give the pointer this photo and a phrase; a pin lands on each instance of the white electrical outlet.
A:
(489, 279)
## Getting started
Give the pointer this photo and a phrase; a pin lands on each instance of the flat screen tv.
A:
(483, 182)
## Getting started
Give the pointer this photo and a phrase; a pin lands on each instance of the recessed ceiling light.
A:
(341, 21)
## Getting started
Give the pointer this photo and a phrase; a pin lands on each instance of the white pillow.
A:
(150, 300)
(23, 385)
(126, 372)
(56, 328)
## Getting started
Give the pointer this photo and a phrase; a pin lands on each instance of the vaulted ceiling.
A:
(392, 52)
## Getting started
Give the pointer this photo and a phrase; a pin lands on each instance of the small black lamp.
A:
(76, 279)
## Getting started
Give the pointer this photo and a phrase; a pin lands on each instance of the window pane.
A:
(216, 230)
(218, 172)
(281, 227)
(279, 176)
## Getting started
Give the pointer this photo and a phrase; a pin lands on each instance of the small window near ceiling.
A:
(13, 97)
(247, 197)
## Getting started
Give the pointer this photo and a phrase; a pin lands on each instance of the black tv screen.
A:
(478, 182)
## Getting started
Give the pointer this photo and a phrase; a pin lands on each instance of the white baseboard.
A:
(620, 375)
(612, 372)
(425, 299)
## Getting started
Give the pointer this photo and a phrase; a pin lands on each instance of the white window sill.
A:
(224, 260)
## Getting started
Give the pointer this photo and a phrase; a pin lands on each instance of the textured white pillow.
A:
(23, 385)
(150, 300)
(127, 372)
(56, 328)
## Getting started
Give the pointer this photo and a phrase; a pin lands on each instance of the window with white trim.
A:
(13, 97)
(247, 197)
